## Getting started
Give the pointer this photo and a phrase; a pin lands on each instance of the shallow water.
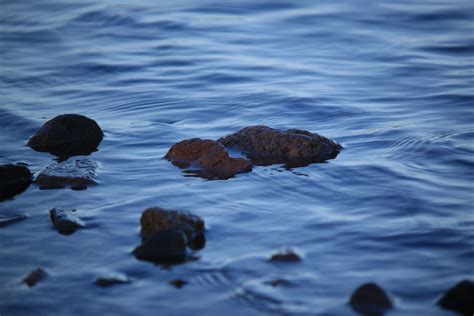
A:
(392, 81)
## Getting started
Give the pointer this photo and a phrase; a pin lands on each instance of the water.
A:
(392, 81)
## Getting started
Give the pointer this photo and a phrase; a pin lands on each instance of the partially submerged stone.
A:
(69, 173)
(158, 219)
(34, 277)
(14, 179)
(370, 299)
(459, 298)
(65, 222)
(67, 135)
(163, 247)
(109, 279)
(285, 255)
(178, 283)
(209, 159)
(8, 220)
(265, 146)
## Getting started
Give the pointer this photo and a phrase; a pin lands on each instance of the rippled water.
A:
(392, 81)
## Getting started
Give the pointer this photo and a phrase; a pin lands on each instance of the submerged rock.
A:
(158, 219)
(8, 220)
(110, 279)
(14, 179)
(34, 277)
(67, 135)
(163, 247)
(210, 158)
(265, 146)
(73, 173)
(459, 298)
(65, 222)
(285, 255)
(370, 299)
(178, 283)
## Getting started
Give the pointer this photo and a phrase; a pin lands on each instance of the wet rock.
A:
(110, 279)
(8, 220)
(285, 255)
(70, 173)
(158, 219)
(265, 146)
(370, 299)
(34, 277)
(14, 179)
(459, 298)
(67, 135)
(163, 247)
(65, 222)
(178, 283)
(211, 159)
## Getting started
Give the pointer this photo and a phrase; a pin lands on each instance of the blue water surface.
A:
(392, 81)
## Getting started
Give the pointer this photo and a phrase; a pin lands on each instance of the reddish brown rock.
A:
(286, 255)
(67, 135)
(158, 219)
(34, 277)
(265, 146)
(210, 158)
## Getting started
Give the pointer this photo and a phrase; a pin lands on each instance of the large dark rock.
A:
(265, 146)
(34, 277)
(459, 298)
(371, 300)
(14, 179)
(163, 247)
(65, 222)
(209, 159)
(67, 135)
(158, 219)
(69, 173)
(8, 220)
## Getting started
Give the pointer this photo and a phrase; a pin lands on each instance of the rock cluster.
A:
(167, 234)
(14, 179)
(210, 159)
(67, 135)
(261, 144)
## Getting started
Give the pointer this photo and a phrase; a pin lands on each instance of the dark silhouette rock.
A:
(158, 219)
(110, 279)
(65, 222)
(163, 247)
(265, 146)
(369, 299)
(14, 179)
(34, 277)
(67, 135)
(8, 220)
(210, 158)
(285, 255)
(72, 173)
(178, 283)
(459, 298)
